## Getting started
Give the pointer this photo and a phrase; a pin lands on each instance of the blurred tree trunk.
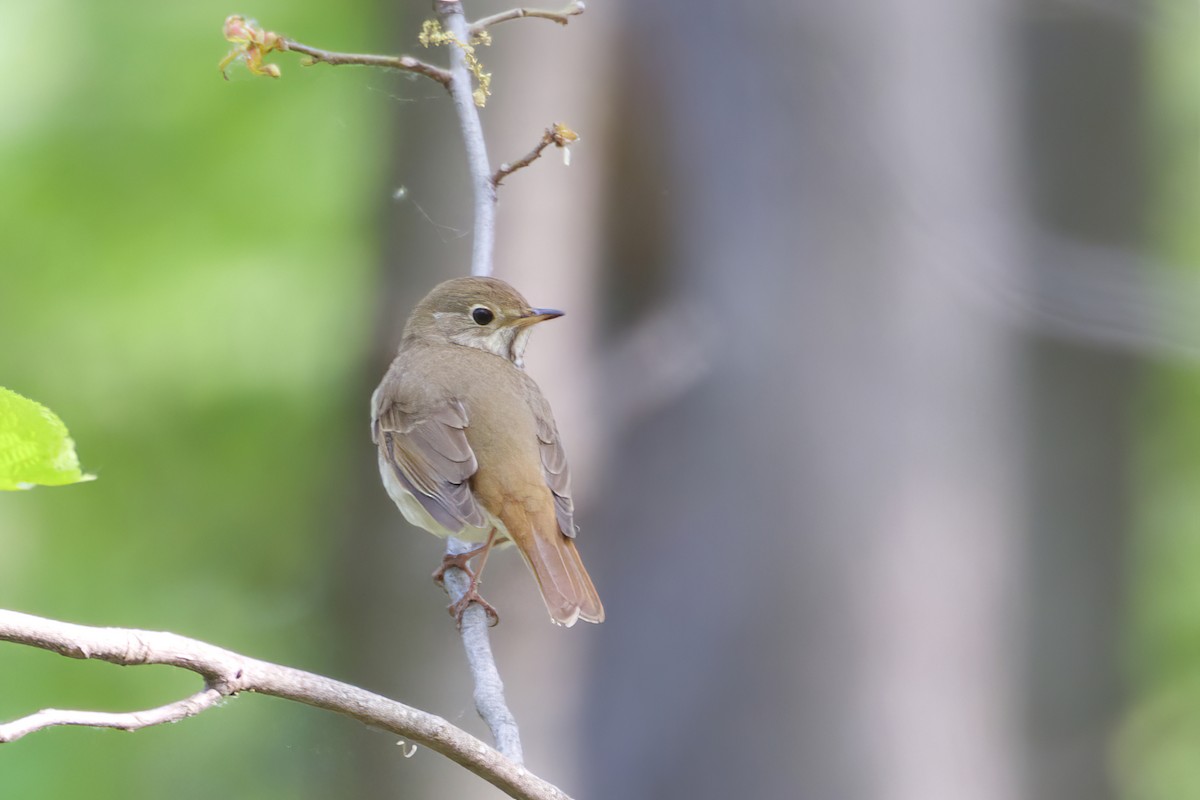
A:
(1084, 82)
(812, 555)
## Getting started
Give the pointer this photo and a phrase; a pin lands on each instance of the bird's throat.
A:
(516, 348)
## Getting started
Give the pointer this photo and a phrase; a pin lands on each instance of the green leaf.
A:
(34, 446)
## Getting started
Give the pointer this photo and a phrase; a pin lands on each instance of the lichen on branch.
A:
(434, 35)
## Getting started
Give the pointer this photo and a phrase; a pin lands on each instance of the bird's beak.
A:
(535, 315)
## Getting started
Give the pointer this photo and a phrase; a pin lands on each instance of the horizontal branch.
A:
(226, 673)
(406, 63)
(127, 721)
(561, 17)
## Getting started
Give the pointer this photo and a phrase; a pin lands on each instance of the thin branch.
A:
(226, 673)
(557, 134)
(128, 721)
(489, 691)
(406, 63)
(508, 168)
(450, 13)
(252, 44)
(561, 17)
(1107, 297)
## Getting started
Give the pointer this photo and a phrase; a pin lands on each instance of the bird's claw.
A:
(456, 561)
(460, 606)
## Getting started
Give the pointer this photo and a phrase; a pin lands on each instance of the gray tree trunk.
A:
(1084, 86)
(811, 559)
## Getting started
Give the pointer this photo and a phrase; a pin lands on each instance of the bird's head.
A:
(484, 313)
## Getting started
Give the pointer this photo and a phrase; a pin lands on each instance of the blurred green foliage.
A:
(1158, 747)
(187, 267)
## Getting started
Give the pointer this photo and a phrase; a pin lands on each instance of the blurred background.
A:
(879, 381)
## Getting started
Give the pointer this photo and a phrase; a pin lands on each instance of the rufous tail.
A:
(566, 587)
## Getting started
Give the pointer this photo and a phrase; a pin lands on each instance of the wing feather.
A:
(555, 470)
(430, 456)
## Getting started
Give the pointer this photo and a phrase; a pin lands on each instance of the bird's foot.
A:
(457, 561)
(460, 606)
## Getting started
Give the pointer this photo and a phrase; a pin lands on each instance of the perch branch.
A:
(406, 63)
(226, 673)
(557, 134)
(489, 690)
(561, 17)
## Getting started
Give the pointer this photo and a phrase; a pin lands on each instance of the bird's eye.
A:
(482, 315)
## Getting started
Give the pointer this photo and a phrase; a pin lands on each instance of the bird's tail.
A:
(566, 587)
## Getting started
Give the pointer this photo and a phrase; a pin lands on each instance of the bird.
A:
(468, 446)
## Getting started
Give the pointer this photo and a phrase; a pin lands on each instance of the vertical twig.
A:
(450, 12)
(489, 690)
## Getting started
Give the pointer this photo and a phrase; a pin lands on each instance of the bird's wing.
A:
(554, 467)
(429, 454)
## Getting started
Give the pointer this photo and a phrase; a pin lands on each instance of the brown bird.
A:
(468, 446)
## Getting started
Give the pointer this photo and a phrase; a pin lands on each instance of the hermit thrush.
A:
(468, 446)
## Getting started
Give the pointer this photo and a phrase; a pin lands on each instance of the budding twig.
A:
(561, 17)
(406, 63)
(557, 134)
(252, 43)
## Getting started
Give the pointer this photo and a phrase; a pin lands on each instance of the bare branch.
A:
(557, 134)
(450, 13)
(489, 689)
(561, 17)
(508, 168)
(226, 673)
(406, 63)
(128, 721)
